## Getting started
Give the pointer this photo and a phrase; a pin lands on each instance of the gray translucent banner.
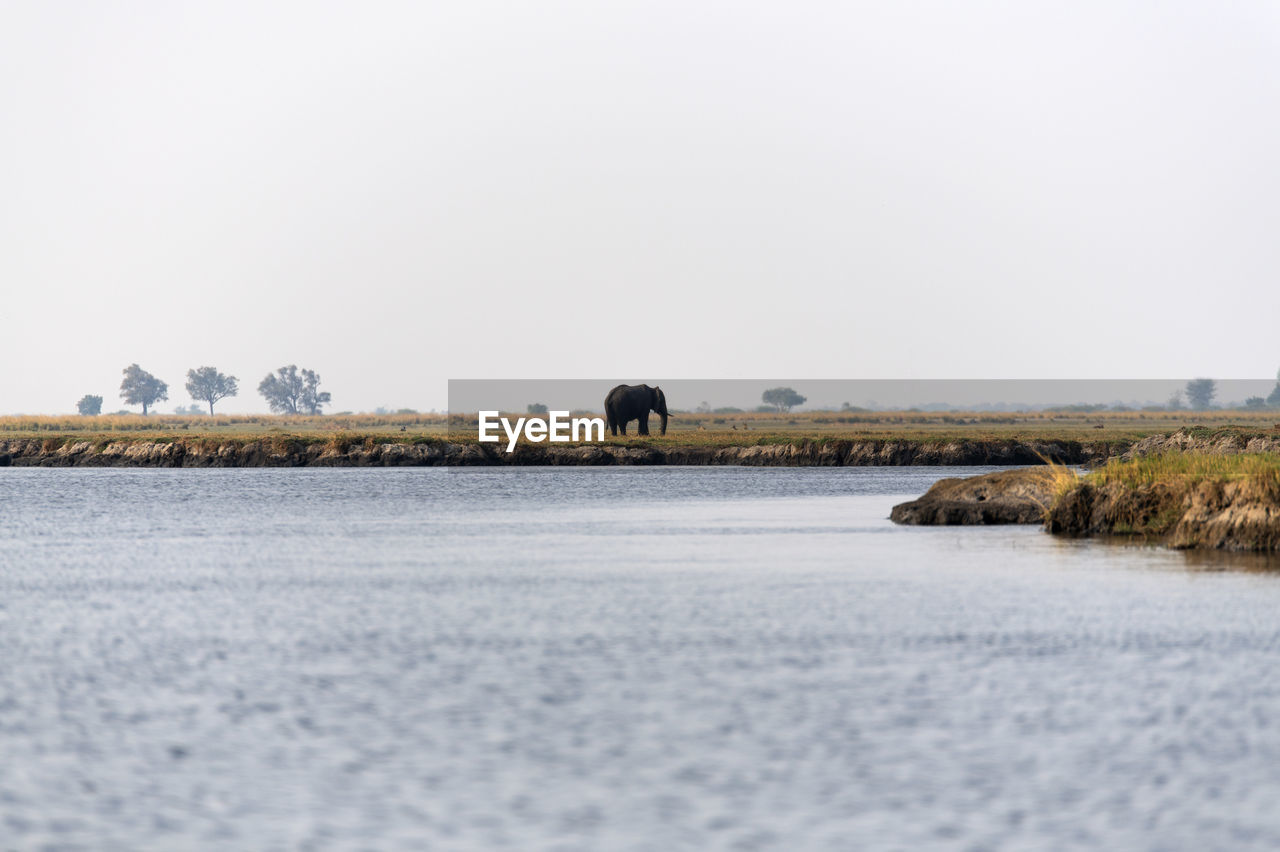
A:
(468, 396)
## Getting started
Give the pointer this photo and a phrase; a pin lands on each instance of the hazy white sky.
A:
(398, 194)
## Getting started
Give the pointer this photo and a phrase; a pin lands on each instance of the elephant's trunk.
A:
(658, 403)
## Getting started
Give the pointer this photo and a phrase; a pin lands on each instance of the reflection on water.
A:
(612, 659)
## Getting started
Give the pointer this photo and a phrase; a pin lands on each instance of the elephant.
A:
(634, 402)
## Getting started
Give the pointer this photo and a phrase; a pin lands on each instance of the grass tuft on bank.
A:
(1182, 499)
(1188, 469)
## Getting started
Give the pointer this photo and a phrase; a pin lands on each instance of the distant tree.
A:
(141, 388)
(782, 399)
(704, 407)
(1200, 393)
(1255, 402)
(208, 385)
(1274, 397)
(189, 410)
(313, 399)
(536, 408)
(89, 405)
(282, 390)
(290, 391)
(1175, 401)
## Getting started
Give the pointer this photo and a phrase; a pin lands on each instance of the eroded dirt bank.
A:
(1219, 499)
(1018, 496)
(297, 452)
(292, 451)
(1217, 515)
(1221, 442)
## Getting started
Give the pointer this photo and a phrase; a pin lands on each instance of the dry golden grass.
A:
(1190, 468)
(1147, 496)
(239, 425)
(753, 428)
(687, 429)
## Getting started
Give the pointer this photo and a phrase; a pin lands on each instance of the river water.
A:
(599, 659)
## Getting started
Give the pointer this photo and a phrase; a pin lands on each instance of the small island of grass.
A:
(1181, 499)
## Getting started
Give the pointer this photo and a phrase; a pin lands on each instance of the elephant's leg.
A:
(622, 424)
(644, 424)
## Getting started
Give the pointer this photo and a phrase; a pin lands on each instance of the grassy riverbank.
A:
(233, 426)
(1184, 500)
(1187, 470)
(815, 439)
(686, 429)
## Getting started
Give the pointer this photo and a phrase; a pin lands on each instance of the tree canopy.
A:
(782, 399)
(89, 405)
(1200, 393)
(208, 385)
(141, 388)
(292, 391)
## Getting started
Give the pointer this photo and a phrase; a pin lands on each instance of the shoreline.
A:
(215, 451)
(1207, 512)
(1181, 499)
(292, 451)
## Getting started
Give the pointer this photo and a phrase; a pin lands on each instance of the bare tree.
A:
(208, 385)
(141, 388)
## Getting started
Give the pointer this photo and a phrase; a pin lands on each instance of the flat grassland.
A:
(685, 429)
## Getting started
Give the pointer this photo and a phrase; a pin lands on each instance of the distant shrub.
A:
(89, 405)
